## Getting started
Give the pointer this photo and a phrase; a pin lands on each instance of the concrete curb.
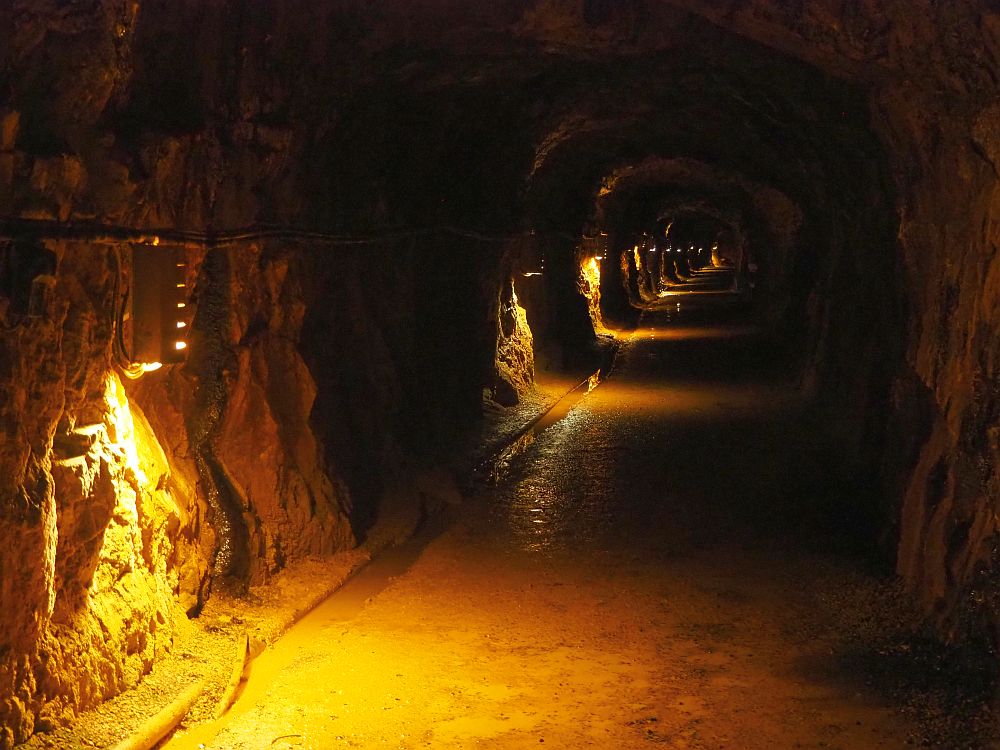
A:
(161, 724)
(487, 470)
(235, 678)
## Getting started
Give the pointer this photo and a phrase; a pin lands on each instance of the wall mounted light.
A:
(157, 321)
(531, 262)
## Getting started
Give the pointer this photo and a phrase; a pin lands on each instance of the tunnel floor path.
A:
(660, 568)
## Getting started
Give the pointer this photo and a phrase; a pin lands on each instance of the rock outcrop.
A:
(101, 532)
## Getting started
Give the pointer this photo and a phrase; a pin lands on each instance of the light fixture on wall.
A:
(531, 261)
(153, 316)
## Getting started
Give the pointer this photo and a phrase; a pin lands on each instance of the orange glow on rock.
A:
(590, 287)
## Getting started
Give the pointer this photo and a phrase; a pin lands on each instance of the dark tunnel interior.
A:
(658, 333)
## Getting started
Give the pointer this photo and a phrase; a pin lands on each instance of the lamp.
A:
(159, 313)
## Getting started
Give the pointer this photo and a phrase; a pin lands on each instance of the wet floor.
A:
(669, 564)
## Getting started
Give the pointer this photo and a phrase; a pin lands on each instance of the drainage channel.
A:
(491, 470)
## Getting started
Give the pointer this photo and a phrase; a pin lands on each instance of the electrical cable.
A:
(110, 234)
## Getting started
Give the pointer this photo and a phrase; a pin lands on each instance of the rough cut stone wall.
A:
(99, 534)
(949, 236)
(313, 368)
(515, 358)
(933, 72)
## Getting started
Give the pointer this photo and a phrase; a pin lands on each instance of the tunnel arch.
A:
(434, 154)
(821, 214)
(761, 215)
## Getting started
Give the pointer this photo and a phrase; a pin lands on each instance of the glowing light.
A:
(179, 345)
(181, 286)
(181, 305)
(181, 324)
(532, 273)
(121, 426)
(151, 366)
(589, 284)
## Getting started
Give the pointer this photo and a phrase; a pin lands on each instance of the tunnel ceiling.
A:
(765, 120)
(397, 134)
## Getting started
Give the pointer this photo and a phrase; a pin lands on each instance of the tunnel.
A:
(499, 373)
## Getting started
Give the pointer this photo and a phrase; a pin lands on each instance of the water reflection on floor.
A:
(667, 426)
(562, 500)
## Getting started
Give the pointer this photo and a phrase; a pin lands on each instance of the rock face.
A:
(94, 515)
(949, 237)
(251, 425)
(515, 360)
(590, 287)
(436, 152)
(933, 101)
